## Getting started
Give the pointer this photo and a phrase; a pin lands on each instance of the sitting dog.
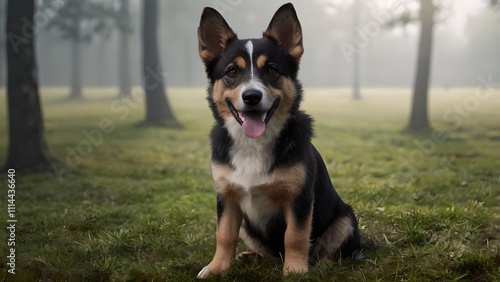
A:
(273, 188)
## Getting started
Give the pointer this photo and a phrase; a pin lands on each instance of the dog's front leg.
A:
(229, 217)
(297, 236)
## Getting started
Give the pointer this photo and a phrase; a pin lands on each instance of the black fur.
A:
(291, 145)
(294, 146)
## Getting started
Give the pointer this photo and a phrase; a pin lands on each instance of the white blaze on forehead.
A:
(249, 47)
(254, 83)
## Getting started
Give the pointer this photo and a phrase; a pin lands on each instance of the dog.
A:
(273, 188)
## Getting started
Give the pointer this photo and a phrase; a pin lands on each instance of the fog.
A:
(466, 43)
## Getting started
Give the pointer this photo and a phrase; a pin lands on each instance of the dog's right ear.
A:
(213, 35)
(285, 30)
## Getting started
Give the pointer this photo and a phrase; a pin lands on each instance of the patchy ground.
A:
(140, 206)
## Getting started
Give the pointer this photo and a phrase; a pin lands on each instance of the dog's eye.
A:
(232, 71)
(271, 70)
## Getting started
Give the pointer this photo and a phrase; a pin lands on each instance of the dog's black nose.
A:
(252, 97)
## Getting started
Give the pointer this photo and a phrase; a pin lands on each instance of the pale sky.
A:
(461, 10)
(455, 15)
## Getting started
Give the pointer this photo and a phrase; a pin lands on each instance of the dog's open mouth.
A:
(253, 123)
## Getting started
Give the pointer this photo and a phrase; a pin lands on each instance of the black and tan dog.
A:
(273, 189)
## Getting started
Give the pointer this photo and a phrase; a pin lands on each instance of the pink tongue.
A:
(253, 123)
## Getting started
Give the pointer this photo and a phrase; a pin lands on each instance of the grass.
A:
(140, 206)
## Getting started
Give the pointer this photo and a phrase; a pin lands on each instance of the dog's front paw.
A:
(213, 268)
(203, 274)
(295, 268)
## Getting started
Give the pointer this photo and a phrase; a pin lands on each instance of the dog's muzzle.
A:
(253, 118)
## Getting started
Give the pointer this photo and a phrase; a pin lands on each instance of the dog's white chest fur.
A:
(250, 158)
(251, 169)
(251, 165)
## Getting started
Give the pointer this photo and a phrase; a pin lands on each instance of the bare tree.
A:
(76, 76)
(124, 50)
(353, 13)
(80, 21)
(495, 4)
(158, 111)
(419, 116)
(356, 95)
(27, 146)
(2, 44)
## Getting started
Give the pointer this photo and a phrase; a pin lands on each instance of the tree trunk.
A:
(27, 146)
(356, 95)
(419, 119)
(76, 75)
(76, 84)
(2, 45)
(158, 111)
(124, 52)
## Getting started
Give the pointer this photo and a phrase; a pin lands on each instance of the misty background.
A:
(466, 43)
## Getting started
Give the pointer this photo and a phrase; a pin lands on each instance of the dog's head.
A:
(253, 82)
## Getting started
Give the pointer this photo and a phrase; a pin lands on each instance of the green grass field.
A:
(140, 206)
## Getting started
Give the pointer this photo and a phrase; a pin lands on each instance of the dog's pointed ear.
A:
(213, 35)
(285, 30)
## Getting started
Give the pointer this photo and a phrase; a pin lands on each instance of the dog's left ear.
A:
(285, 30)
(213, 35)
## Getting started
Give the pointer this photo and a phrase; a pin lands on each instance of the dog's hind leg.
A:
(247, 255)
(341, 236)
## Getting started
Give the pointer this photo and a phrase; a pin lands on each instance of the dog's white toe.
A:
(203, 274)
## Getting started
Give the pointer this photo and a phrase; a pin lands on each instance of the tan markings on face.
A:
(218, 96)
(221, 93)
(240, 62)
(261, 61)
(287, 93)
